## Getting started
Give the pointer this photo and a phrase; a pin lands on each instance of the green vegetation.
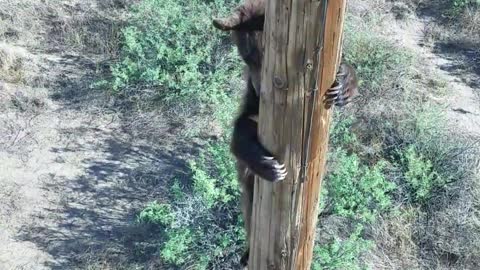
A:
(357, 187)
(218, 183)
(458, 6)
(171, 56)
(176, 249)
(391, 155)
(377, 60)
(401, 191)
(201, 224)
(155, 213)
(342, 254)
(358, 191)
(395, 151)
(169, 48)
(420, 176)
(172, 59)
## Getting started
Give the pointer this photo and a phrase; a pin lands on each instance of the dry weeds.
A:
(12, 61)
(442, 235)
(395, 246)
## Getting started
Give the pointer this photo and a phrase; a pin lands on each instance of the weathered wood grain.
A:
(302, 49)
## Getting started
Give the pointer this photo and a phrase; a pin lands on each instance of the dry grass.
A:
(451, 220)
(12, 61)
(442, 233)
(90, 26)
(471, 21)
(87, 27)
(395, 246)
(21, 23)
(460, 29)
(469, 26)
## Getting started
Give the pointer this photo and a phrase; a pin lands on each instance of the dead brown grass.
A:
(12, 61)
(20, 21)
(451, 223)
(469, 24)
(87, 28)
(471, 21)
(442, 233)
(395, 246)
(90, 26)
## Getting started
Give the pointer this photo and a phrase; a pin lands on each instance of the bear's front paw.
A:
(269, 169)
(344, 89)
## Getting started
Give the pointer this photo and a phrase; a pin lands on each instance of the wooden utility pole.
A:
(302, 53)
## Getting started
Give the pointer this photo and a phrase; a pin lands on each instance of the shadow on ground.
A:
(91, 218)
(465, 62)
(463, 53)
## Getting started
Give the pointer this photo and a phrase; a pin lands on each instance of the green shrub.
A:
(175, 249)
(428, 154)
(155, 213)
(357, 191)
(204, 186)
(341, 254)
(340, 133)
(177, 191)
(424, 126)
(215, 181)
(420, 174)
(202, 228)
(171, 53)
(458, 6)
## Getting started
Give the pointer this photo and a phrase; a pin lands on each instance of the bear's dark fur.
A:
(246, 26)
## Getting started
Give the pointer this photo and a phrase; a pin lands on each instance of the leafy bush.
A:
(458, 6)
(357, 191)
(215, 182)
(184, 62)
(340, 132)
(420, 175)
(431, 159)
(175, 249)
(170, 53)
(341, 254)
(155, 213)
(201, 226)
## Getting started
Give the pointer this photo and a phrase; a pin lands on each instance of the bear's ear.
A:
(247, 17)
(225, 24)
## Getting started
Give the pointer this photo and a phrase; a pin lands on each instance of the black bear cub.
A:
(246, 26)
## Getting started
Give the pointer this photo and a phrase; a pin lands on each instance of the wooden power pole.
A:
(302, 53)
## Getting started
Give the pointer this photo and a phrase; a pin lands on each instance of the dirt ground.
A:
(462, 103)
(73, 176)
